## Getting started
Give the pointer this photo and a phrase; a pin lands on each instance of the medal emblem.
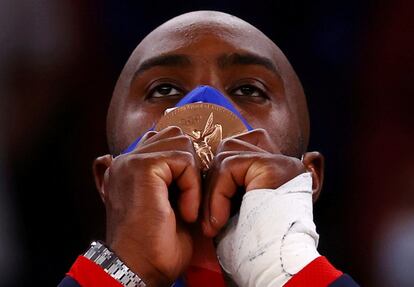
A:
(206, 124)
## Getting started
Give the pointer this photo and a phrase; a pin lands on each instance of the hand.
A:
(250, 160)
(273, 236)
(143, 229)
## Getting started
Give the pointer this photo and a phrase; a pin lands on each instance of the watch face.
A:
(206, 124)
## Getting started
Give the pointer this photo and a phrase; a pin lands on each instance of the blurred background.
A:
(59, 61)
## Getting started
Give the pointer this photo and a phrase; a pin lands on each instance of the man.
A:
(164, 208)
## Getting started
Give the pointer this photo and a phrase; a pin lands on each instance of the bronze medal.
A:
(206, 124)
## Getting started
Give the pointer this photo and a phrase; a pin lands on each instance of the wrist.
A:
(272, 237)
(151, 276)
(298, 248)
(141, 266)
(113, 265)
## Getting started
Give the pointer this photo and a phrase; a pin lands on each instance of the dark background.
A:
(59, 61)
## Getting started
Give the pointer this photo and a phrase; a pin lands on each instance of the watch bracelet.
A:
(112, 265)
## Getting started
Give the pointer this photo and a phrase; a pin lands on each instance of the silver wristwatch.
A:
(112, 265)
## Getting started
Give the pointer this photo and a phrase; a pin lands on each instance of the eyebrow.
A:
(174, 60)
(227, 60)
(223, 61)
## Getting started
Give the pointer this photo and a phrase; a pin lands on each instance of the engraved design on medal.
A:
(203, 141)
(206, 124)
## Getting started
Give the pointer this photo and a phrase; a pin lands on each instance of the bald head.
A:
(216, 49)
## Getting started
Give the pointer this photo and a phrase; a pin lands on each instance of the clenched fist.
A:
(143, 229)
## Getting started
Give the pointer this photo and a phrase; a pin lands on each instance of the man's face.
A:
(245, 66)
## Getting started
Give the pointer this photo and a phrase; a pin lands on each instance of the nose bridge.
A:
(208, 74)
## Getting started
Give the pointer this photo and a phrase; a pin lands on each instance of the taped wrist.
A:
(273, 237)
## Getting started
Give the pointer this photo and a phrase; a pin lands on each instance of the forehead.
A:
(204, 40)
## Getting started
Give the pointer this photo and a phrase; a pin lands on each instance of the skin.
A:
(150, 233)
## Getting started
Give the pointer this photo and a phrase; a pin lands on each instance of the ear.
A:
(314, 162)
(100, 166)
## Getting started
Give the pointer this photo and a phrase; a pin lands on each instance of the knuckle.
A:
(185, 156)
(263, 159)
(267, 161)
(119, 162)
(175, 130)
(221, 156)
(291, 163)
(227, 162)
(260, 131)
(131, 163)
(290, 159)
(226, 143)
(123, 166)
(185, 141)
(149, 134)
(297, 163)
(263, 135)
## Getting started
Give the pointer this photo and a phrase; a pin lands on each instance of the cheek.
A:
(269, 117)
(280, 126)
(137, 122)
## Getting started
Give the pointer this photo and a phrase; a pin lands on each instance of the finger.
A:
(259, 138)
(168, 132)
(221, 188)
(147, 136)
(189, 200)
(234, 144)
(180, 167)
(181, 143)
(249, 170)
(187, 177)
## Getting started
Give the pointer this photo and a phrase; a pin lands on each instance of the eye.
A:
(165, 90)
(248, 91)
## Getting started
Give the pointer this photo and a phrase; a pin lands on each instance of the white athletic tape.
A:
(273, 237)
